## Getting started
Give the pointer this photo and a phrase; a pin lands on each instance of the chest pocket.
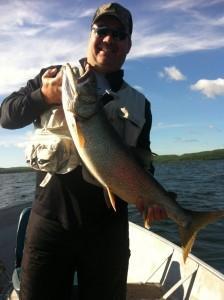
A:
(126, 113)
(53, 153)
(51, 148)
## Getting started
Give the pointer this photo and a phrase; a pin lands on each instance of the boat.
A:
(157, 271)
(157, 262)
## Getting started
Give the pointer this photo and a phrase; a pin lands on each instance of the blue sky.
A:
(177, 61)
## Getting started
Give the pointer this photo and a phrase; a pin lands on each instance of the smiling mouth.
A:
(106, 50)
(109, 50)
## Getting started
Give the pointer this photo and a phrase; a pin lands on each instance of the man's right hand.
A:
(51, 86)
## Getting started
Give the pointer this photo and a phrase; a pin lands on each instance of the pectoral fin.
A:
(147, 221)
(80, 136)
(110, 198)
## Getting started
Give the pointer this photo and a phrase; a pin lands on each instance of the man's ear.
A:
(129, 45)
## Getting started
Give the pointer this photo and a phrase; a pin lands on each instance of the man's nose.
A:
(108, 38)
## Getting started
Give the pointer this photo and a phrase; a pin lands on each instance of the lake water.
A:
(199, 185)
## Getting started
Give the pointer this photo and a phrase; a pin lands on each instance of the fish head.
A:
(79, 93)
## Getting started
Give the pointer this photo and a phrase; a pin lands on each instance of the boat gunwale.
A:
(191, 256)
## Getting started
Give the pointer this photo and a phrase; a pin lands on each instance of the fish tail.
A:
(199, 220)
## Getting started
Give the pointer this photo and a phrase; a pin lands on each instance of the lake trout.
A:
(112, 164)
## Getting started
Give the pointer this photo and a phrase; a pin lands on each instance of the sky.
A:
(176, 61)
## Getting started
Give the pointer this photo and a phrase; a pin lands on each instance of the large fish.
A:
(111, 163)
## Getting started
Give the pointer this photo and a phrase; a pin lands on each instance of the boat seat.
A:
(20, 238)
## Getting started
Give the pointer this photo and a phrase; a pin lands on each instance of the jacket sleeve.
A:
(24, 106)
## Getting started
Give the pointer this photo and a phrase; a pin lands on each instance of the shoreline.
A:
(216, 154)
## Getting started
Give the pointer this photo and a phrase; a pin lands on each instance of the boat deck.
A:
(144, 291)
(134, 292)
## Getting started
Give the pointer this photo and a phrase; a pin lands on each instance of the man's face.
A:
(105, 52)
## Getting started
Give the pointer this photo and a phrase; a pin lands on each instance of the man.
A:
(71, 227)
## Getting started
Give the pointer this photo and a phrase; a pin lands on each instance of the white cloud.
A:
(172, 73)
(186, 140)
(87, 13)
(210, 88)
(167, 43)
(162, 125)
(215, 128)
(32, 38)
(139, 88)
(186, 4)
(23, 62)
(14, 139)
(196, 25)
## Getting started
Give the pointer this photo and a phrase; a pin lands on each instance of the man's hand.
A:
(154, 213)
(51, 88)
(151, 214)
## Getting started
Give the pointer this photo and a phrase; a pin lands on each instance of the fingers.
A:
(149, 217)
(156, 213)
(53, 76)
(50, 73)
(152, 214)
(51, 86)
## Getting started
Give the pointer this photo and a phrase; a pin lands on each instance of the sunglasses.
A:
(118, 35)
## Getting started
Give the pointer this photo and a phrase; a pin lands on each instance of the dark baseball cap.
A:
(118, 11)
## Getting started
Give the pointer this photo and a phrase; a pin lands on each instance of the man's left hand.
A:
(154, 213)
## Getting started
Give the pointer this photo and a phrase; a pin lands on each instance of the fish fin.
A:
(199, 220)
(80, 136)
(110, 198)
(147, 222)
